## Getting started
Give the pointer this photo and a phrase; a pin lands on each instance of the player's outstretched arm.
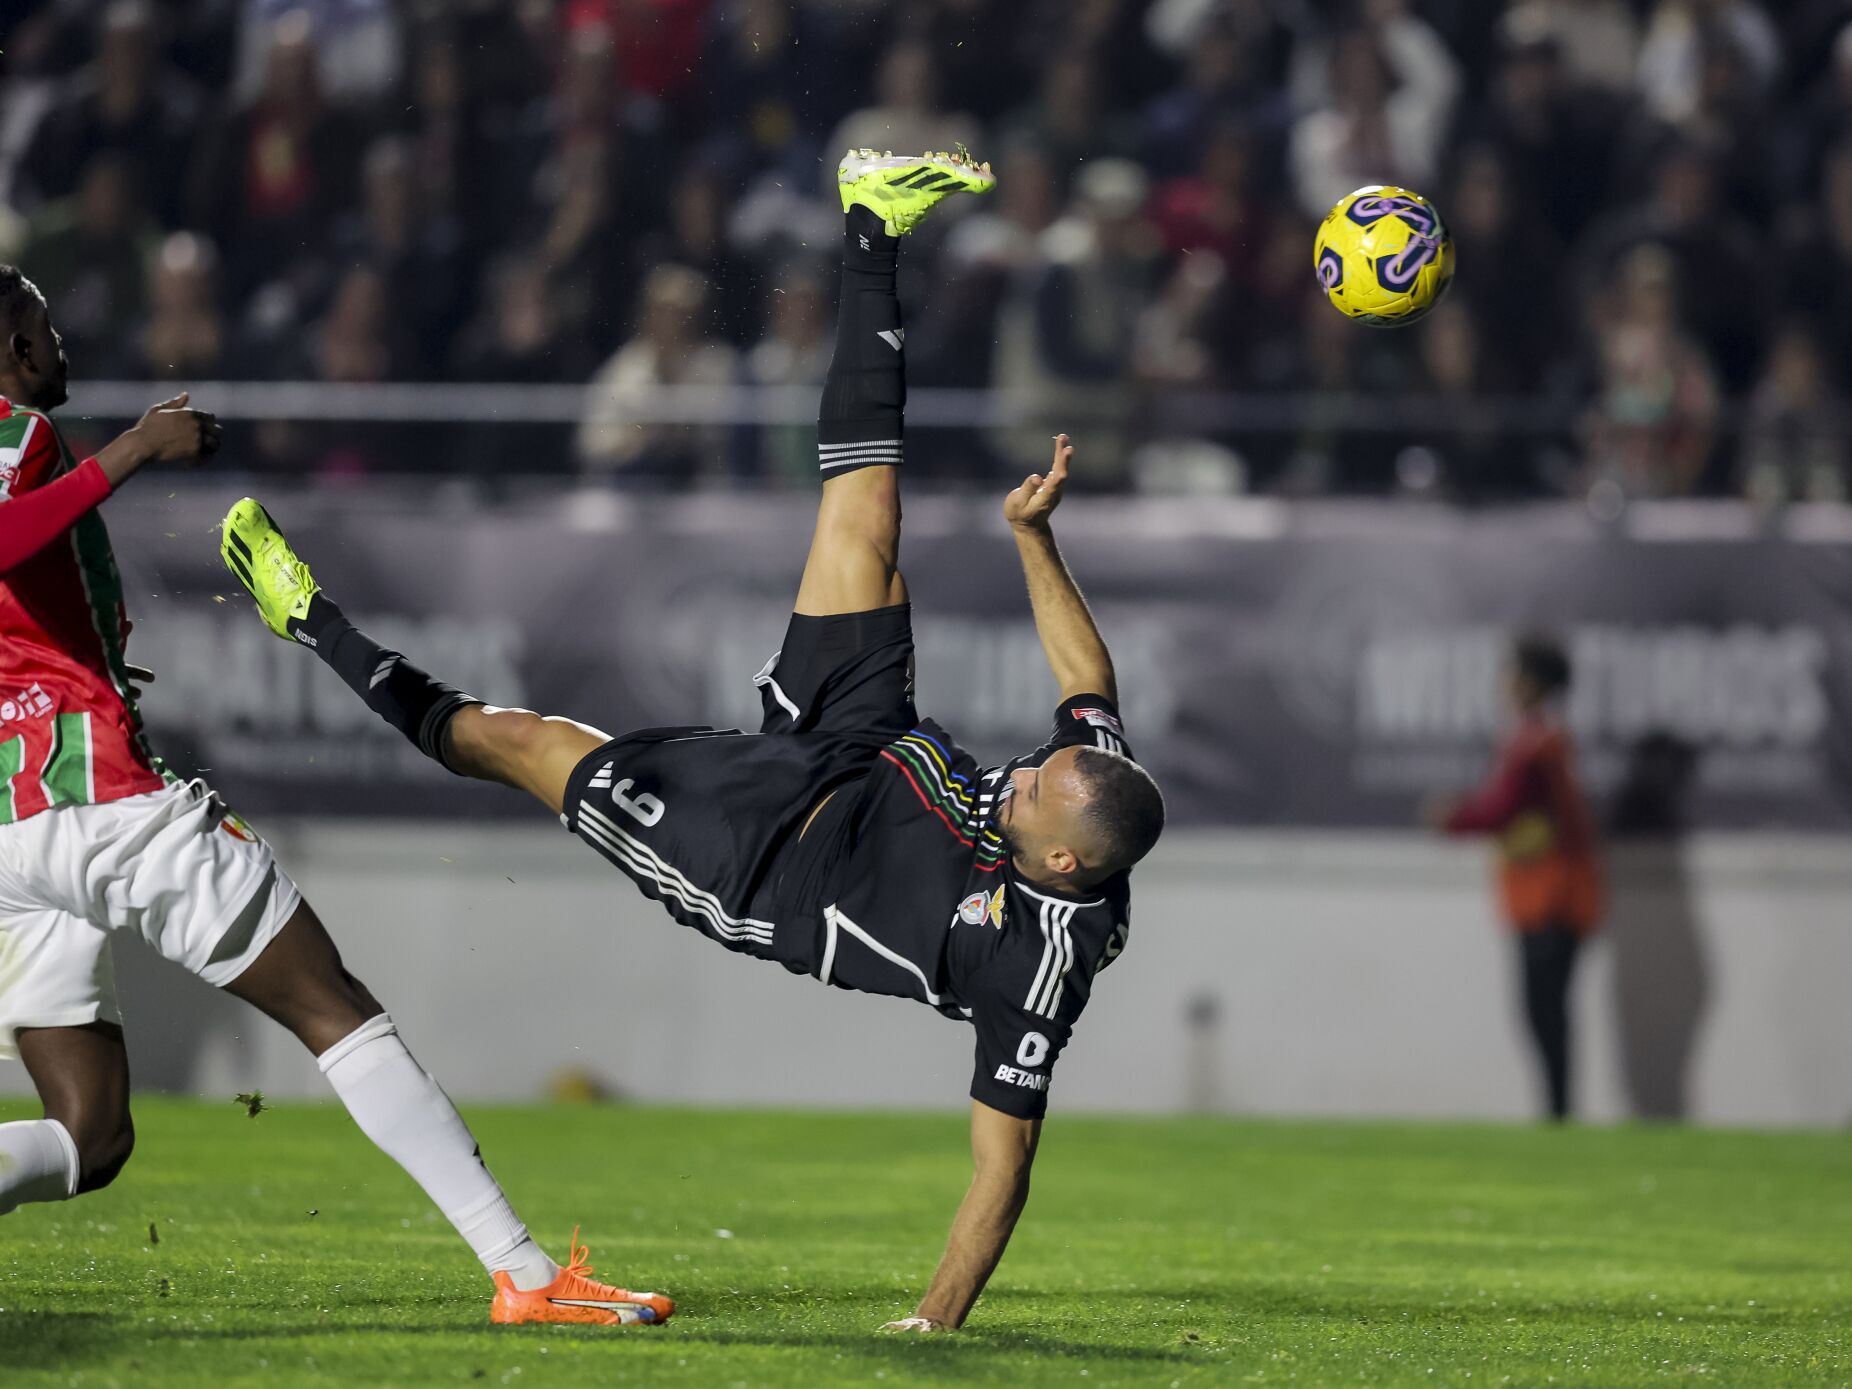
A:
(1002, 1150)
(1076, 652)
(40, 506)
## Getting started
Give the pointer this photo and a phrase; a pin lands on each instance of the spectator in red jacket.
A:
(1548, 864)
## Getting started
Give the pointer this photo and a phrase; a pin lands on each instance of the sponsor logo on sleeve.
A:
(1099, 718)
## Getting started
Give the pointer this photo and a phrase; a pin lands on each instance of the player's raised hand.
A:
(173, 433)
(1030, 505)
(178, 434)
(167, 433)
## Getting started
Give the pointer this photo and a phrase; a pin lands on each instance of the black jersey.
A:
(899, 885)
(923, 902)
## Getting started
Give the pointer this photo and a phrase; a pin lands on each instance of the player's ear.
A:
(1062, 860)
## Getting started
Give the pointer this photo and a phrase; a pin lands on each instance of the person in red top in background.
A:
(96, 841)
(1548, 861)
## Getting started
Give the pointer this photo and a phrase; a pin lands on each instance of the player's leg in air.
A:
(853, 561)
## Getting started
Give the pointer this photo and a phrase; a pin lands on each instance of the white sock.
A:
(38, 1162)
(402, 1109)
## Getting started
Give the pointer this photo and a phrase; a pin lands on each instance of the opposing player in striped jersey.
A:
(849, 839)
(95, 840)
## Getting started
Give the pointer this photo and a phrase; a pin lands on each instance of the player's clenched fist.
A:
(1031, 504)
(167, 433)
(175, 434)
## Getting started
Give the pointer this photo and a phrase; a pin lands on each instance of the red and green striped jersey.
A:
(70, 733)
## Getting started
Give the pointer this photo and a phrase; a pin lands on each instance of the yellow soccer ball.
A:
(1383, 256)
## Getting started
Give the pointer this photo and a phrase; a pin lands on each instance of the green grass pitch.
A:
(1179, 1252)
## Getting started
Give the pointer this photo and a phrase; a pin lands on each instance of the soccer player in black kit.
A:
(850, 839)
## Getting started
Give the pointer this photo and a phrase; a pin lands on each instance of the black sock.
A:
(404, 696)
(865, 392)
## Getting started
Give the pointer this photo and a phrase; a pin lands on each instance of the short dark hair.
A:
(17, 296)
(1541, 660)
(1124, 810)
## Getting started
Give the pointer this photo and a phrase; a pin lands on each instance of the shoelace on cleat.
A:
(580, 1267)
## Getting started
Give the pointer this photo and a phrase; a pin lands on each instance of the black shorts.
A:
(707, 821)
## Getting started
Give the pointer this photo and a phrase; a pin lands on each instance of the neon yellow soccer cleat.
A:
(901, 190)
(256, 552)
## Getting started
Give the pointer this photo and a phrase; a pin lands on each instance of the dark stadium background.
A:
(493, 296)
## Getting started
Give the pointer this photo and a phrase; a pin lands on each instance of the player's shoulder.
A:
(1083, 920)
(16, 417)
(24, 428)
(28, 441)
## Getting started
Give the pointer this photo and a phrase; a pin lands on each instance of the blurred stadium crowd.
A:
(1652, 200)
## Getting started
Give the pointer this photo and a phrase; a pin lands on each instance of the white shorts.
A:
(173, 866)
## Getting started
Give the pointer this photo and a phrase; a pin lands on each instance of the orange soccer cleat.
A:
(575, 1297)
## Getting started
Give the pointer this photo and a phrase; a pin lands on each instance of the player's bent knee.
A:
(103, 1150)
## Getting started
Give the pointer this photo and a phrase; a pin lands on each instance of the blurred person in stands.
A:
(1652, 425)
(695, 235)
(770, 71)
(1722, 270)
(1067, 342)
(1233, 60)
(1328, 359)
(1218, 207)
(1005, 234)
(1817, 262)
(270, 174)
(1550, 880)
(131, 102)
(905, 114)
(1512, 252)
(1730, 119)
(1555, 136)
(184, 336)
(655, 48)
(795, 352)
(989, 265)
(89, 252)
(357, 341)
(1821, 120)
(517, 334)
(416, 249)
(1795, 446)
(1458, 445)
(1066, 117)
(1597, 41)
(1385, 114)
(360, 44)
(565, 159)
(1179, 338)
(1672, 55)
(671, 349)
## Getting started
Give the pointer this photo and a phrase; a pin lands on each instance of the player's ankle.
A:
(867, 245)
